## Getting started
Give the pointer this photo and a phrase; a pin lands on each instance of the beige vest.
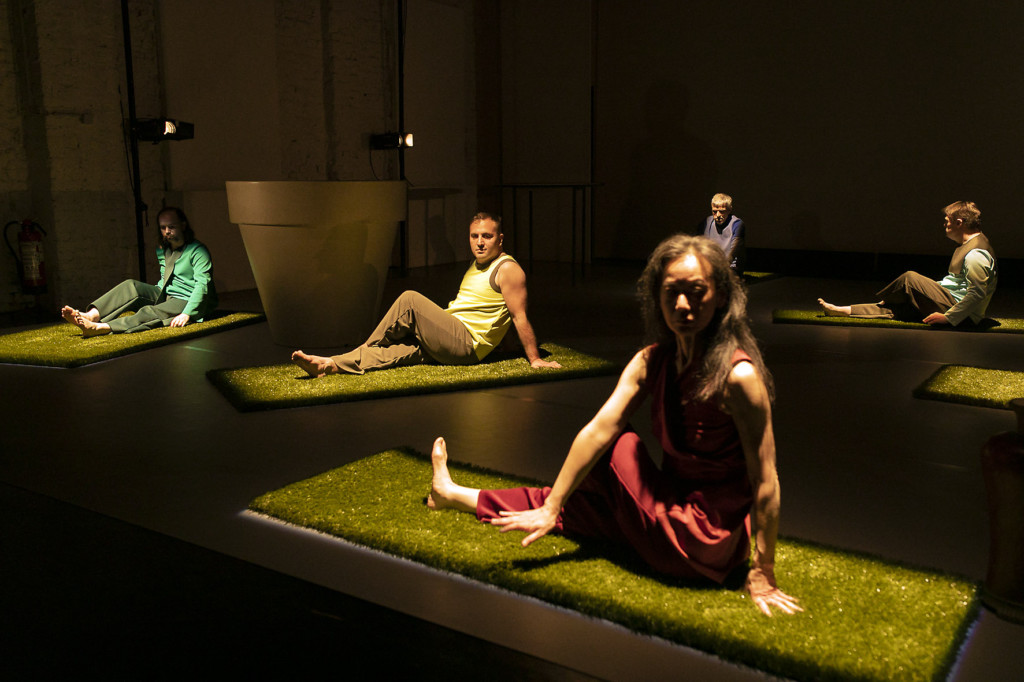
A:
(481, 307)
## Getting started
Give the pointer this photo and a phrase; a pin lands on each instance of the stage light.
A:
(158, 129)
(390, 140)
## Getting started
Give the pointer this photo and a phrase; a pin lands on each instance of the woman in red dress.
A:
(717, 492)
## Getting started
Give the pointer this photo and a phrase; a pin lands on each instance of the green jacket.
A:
(191, 280)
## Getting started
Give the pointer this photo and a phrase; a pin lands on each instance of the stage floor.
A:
(125, 542)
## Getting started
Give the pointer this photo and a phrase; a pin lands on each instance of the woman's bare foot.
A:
(834, 310)
(315, 366)
(444, 492)
(441, 483)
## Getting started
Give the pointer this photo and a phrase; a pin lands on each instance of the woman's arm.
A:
(746, 399)
(588, 446)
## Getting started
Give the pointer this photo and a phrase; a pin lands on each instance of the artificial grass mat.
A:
(864, 618)
(62, 345)
(973, 386)
(275, 386)
(1004, 325)
(753, 277)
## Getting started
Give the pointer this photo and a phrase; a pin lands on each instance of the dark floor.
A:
(124, 546)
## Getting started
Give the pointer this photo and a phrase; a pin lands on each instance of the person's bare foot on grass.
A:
(90, 328)
(69, 314)
(834, 310)
(444, 492)
(441, 482)
(315, 366)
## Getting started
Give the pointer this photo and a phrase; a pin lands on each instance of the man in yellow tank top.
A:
(416, 330)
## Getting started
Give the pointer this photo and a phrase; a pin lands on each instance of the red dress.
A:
(687, 519)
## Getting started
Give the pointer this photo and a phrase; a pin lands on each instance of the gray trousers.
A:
(152, 309)
(910, 297)
(414, 331)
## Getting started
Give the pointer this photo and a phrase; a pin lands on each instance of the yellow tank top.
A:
(481, 307)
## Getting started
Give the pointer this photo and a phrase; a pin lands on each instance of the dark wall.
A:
(835, 126)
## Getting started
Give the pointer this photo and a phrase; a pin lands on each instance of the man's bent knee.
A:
(409, 296)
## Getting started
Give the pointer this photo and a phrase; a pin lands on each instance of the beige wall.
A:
(278, 90)
(62, 144)
(290, 89)
(440, 110)
(546, 74)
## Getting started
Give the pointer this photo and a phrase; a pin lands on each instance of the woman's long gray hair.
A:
(728, 330)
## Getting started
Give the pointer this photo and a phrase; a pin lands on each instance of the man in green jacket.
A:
(185, 293)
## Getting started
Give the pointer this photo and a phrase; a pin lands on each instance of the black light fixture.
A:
(159, 129)
(390, 140)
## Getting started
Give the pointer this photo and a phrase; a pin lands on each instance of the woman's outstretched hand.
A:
(535, 522)
(764, 593)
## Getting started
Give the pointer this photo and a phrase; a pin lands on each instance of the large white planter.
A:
(319, 252)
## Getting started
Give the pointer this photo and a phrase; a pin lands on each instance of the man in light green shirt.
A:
(961, 296)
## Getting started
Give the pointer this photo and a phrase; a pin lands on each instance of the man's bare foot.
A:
(69, 314)
(834, 310)
(441, 484)
(90, 328)
(315, 366)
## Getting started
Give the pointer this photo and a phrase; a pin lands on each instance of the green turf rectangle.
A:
(751, 277)
(272, 387)
(1003, 325)
(62, 345)
(864, 618)
(973, 386)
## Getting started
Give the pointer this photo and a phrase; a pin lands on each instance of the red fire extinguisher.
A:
(31, 269)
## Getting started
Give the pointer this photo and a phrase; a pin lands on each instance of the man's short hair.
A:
(482, 215)
(722, 200)
(966, 211)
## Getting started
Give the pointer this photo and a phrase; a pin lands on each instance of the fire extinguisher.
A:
(31, 269)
